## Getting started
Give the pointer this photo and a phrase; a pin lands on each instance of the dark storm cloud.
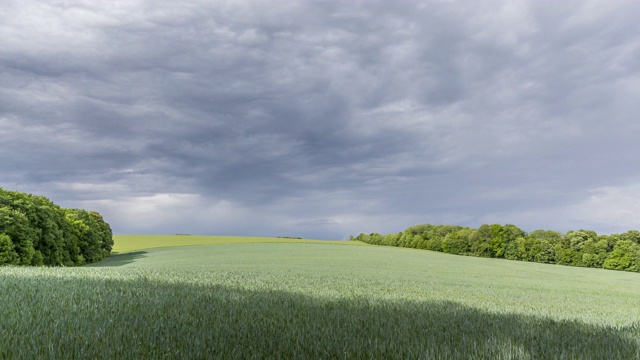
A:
(326, 118)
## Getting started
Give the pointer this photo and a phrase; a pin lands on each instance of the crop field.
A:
(291, 299)
(127, 243)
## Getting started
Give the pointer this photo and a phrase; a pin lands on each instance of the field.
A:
(295, 299)
(127, 243)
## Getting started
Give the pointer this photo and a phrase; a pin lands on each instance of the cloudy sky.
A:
(324, 119)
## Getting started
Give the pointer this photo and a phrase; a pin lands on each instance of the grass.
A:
(317, 300)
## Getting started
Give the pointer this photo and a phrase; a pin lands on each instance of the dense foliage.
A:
(576, 248)
(35, 231)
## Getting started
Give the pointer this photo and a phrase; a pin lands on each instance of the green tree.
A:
(7, 251)
(577, 239)
(434, 243)
(576, 248)
(481, 242)
(543, 245)
(416, 242)
(457, 242)
(594, 252)
(505, 236)
(93, 239)
(552, 237)
(391, 239)
(422, 229)
(15, 224)
(519, 249)
(42, 233)
(542, 251)
(631, 235)
(625, 256)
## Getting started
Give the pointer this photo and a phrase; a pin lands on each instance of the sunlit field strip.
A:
(126, 243)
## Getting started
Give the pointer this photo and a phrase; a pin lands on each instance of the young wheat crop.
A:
(316, 301)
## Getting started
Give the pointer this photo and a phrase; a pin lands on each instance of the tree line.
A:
(35, 231)
(575, 248)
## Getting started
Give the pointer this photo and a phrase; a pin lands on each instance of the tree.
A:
(94, 238)
(411, 231)
(504, 236)
(8, 254)
(481, 242)
(434, 244)
(543, 245)
(39, 232)
(457, 242)
(552, 237)
(594, 252)
(576, 248)
(15, 224)
(542, 251)
(568, 249)
(519, 249)
(631, 235)
(577, 239)
(625, 256)
(391, 240)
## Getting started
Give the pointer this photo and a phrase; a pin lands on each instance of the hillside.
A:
(319, 300)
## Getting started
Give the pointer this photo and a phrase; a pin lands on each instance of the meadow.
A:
(283, 298)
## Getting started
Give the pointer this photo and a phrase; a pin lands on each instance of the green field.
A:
(291, 299)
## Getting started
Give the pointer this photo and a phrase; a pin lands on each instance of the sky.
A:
(324, 119)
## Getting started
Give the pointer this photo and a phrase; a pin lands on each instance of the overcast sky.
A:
(324, 119)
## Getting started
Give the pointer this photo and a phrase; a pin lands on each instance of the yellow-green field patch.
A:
(126, 243)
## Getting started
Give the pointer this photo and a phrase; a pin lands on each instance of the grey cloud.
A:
(443, 111)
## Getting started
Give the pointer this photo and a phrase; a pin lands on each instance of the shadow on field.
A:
(148, 318)
(120, 259)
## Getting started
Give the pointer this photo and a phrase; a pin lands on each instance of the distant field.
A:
(125, 243)
(317, 300)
